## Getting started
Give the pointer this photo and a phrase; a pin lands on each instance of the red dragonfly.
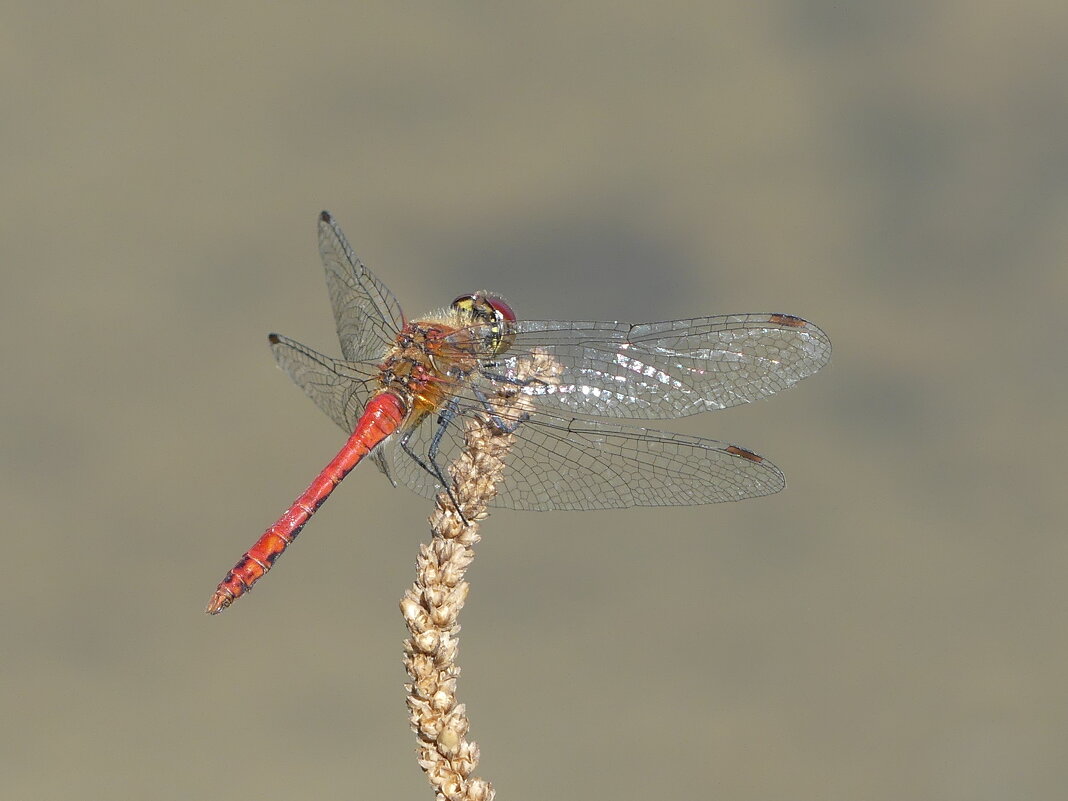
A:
(403, 388)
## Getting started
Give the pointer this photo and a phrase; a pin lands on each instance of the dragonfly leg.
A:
(431, 465)
(500, 378)
(502, 426)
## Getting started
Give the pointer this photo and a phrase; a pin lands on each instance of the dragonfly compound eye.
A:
(493, 313)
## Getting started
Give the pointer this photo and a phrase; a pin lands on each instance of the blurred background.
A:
(891, 626)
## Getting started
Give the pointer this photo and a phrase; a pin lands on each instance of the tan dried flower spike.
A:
(431, 606)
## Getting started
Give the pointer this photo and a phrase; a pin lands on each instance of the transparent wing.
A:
(367, 315)
(560, 463)
(667, 369)
(340, 389)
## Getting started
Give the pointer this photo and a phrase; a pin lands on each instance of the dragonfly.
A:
(403, 389)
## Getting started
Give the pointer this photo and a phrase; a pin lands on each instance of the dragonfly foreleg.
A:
(501, 378)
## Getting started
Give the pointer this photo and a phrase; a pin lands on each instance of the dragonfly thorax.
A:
(420, 368)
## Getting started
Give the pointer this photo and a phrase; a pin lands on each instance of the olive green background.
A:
(892, 626)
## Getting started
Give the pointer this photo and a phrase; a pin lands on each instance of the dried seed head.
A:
(427, 642)
(433, 603)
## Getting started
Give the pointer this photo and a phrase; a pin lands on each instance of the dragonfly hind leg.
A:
(445, 418)
(431, 465)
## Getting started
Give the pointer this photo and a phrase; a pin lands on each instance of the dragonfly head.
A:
(491, 312)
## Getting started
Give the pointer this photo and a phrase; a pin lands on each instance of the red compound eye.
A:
(497, 302)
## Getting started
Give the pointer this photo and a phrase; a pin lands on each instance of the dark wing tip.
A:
(772, 479)
(809, 330)
(734, 450)
(789, 320)
(326, 216)
(273, 339)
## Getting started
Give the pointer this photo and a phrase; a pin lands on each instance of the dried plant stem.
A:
(431, 606)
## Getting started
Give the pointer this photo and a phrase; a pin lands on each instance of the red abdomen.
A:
(383, 415)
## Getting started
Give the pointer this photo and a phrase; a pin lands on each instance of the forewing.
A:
(667, 369)
(367, 315)
(557, 463)
(340, 389)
